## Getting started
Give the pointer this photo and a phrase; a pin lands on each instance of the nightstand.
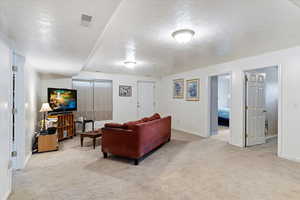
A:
(47, 142)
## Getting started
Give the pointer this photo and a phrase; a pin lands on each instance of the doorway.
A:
(145, 99)
(220, 106)
(261, 106)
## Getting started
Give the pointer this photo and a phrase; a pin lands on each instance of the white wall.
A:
(20, 136)
(5, 118)
(32, 106)
(27, 103)
(124, 108)
(193, 116)
(223, 91)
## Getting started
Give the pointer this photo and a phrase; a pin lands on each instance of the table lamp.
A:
(44, 109)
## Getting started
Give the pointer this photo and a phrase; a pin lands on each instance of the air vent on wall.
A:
(86, 20)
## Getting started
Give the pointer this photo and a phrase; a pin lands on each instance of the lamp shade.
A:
(45, 107)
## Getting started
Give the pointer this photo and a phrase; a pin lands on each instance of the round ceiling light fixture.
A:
(130, 64)
(183, 36)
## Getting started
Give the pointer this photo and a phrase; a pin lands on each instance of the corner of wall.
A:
(6, 195)
(27, 159)
(284, 156)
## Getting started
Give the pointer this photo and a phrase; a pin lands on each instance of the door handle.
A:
(264, 111)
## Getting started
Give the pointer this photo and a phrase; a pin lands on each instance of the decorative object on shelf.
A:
(44, 109)
(178, 88)
(125, 91)
(192, 90)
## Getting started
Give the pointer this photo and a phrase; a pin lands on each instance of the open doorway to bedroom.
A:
(220, 105)
(261, 107)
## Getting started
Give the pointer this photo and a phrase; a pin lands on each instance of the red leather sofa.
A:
(135, 139)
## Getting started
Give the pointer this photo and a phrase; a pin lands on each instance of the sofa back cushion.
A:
(115, 125)
(154, 117)
(130, 125)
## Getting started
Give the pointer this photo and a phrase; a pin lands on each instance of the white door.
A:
(214, 105)
(255, 109)
(5, 120)
(146, 104)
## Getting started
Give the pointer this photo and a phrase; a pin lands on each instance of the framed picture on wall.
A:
(192, 90)
(125, 91)
(178, 88)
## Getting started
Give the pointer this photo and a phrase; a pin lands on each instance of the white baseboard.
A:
(271, 137)
(295, 159)
(27, 159)
(6, 195)
(185, 131)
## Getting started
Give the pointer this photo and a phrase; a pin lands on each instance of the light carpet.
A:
(189, 167)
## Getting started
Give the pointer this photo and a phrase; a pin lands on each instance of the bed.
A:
(223, 117)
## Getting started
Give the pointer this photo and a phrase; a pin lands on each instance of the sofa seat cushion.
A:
(115, 125)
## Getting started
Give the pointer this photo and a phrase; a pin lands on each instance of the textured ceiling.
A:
(296, 2)
(141, 30)
(225, 30)
(49, 34)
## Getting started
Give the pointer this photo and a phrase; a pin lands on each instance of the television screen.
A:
(62, 99)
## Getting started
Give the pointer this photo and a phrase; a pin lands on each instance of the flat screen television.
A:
(62, 100)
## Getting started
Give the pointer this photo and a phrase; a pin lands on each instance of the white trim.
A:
(294, 159)
(208, 131)
(10, 170)
(6, 195)
(27, 160)
(280, 109)
(189, 132)
(280, 97)
(271, 137)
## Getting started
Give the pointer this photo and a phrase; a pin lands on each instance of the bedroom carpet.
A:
(223, 134)
(189, 167)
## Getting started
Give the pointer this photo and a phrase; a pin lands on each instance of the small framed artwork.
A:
(125, 91)
(178, 88)
(192, 90)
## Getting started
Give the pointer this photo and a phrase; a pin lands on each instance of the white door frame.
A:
(137, 96)
(209, 97)
(280, 96)
(10, 167)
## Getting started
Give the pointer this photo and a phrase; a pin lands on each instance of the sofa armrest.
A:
(119, 141)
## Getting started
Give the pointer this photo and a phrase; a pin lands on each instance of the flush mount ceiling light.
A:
(183, 36)
(130, 64)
